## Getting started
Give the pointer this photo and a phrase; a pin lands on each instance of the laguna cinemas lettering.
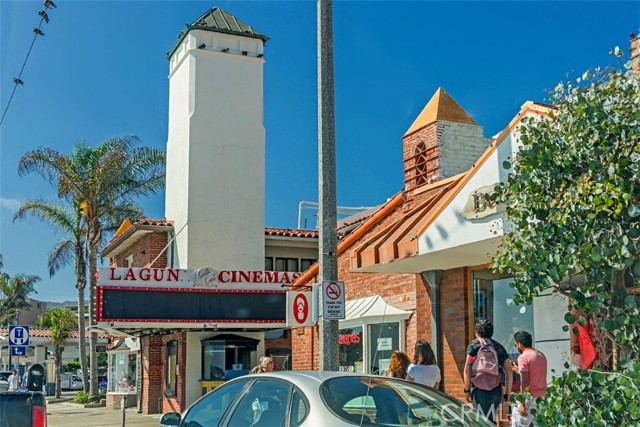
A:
(210, 277)
(144, 275)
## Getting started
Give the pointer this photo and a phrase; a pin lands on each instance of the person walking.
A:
(487, 369)
(532, 367)
(424, 369)
(14, 381)
(398, 365)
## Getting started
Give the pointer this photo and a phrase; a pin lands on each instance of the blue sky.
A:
(101, 71)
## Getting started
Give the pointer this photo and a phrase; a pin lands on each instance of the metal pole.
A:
(328, 329)
(123, 404)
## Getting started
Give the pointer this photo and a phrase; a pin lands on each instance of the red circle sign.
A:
(300, 308)
(333, 291)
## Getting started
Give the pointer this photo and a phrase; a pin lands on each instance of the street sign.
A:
(18, 350)
(299, 308)
(333, 305)
(18, 335)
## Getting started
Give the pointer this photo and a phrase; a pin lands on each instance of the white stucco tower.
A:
(216, 144)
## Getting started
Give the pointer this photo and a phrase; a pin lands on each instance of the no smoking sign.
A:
(333, 305)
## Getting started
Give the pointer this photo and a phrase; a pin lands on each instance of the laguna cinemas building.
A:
(203, 320)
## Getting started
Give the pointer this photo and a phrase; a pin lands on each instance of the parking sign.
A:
(19, 351)
(18, 336)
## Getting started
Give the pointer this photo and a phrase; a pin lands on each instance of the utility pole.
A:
(328, 329)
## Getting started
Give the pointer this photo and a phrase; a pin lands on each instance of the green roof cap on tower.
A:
(220, 21)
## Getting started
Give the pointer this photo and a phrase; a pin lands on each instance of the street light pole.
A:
(328, 329)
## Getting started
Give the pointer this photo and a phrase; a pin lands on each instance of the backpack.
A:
(485, 371)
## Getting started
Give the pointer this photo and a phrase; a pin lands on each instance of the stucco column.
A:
(40, 354)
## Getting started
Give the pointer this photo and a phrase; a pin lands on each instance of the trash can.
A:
(50, 389)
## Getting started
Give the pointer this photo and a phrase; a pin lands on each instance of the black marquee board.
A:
(130, 305)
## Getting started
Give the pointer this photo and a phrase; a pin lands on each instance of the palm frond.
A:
(52, 165)
(57, 215)
(63, 253)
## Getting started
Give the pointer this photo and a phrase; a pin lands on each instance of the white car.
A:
(71, 382)
(334, 399)
(4, 380)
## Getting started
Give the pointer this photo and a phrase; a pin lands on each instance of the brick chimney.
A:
(635, 53)
(442, 142)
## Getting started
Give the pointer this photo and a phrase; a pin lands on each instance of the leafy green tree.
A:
(15, 293)
(61, 323)
(573, 198)
(70, 248)
(106, 180)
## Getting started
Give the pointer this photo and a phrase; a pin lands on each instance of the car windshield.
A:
(387, 402)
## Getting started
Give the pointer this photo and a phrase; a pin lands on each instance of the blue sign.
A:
(19, 351)
(18, 335)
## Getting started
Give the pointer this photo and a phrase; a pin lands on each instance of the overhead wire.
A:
(36, 32)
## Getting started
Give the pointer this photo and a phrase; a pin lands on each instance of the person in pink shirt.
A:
(532, 367)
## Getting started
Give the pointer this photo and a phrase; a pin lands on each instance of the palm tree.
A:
(71, 247)
(106, 179)
(15, 291)
(61, 323)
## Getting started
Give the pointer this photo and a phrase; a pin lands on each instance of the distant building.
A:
(31, 316)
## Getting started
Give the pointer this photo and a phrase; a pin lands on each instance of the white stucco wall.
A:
(450, 229)
(216, 152)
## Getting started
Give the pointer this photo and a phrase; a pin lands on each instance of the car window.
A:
(208, 411)
(299, 409)
(264, 405)
(387, 402)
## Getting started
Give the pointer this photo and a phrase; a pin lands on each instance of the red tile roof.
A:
(290, 232)
(127, 226)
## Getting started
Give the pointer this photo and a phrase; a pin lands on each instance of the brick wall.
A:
(460, 146)
(454, 319)
(452, 148)
(175, 403)
(144, 251)
(404, 291)
(429, 137)
(151, 387)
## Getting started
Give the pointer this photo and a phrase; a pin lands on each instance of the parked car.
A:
(313, 398)
(4, 380)
(71, 382)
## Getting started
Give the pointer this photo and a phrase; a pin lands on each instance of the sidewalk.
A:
(71, 415)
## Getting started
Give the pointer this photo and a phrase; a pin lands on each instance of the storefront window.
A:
(172, 368)
(350, 350)
(213, 365)
(226, 356)
(493, 301)
(384, 339)
(122, 373)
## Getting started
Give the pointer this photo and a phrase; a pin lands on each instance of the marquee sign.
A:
(152, 295)
(204, 278)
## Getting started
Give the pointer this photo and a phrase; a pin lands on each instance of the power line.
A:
(37, 31)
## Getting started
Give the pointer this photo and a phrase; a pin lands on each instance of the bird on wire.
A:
(38, 31)
(44, 16)
(17, 81)
(49, 4)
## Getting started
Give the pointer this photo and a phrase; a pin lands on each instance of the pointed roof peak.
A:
(220, 21)
(441, 106)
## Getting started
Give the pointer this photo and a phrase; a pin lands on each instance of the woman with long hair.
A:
(398, 365)
(424, 369)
